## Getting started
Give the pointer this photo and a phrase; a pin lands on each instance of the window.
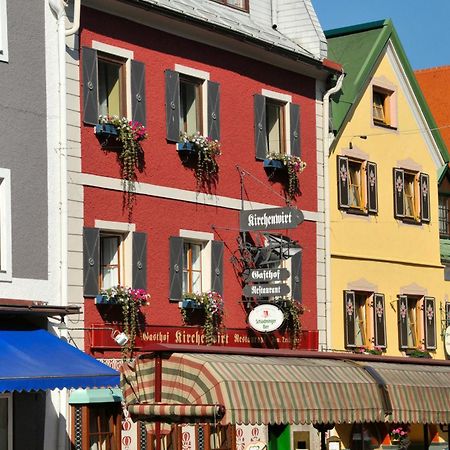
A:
(3, 32)
(192, 103)
(357, 185)
(364, 319)
(444, 225)
(110, 260)
(113, 83)
(6, 422)
(5, 225)
(239, 4)
(411, 196)
(384, 106)
(192, 267)
(275, 123)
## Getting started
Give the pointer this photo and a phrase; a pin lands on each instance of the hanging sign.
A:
(270, 219)
(266, 275)
(447, 340)
(266, 318)
(266, 290)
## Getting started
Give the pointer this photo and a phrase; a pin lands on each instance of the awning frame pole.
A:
(158, 396)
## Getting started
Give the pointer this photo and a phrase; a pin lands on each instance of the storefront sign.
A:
(266, 275)
(266, 290)
(266, 318)
(270, 219)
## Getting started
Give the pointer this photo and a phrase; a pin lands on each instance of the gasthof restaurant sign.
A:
(266, 318)
(270, 219)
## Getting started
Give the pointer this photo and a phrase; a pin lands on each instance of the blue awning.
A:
(32, 360)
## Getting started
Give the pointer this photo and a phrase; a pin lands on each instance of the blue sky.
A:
(423, 26)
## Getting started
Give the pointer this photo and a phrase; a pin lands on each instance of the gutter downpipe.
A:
(59, 397)
(326, 149)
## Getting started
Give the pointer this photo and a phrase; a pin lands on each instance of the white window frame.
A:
(5, 226)
(125, 230)
(286, 100)
(389, 91)
(3, 32)
(204, 238)
(203, 77)
(125, 54)
(10, 419)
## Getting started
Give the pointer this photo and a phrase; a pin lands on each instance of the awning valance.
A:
(32, 360)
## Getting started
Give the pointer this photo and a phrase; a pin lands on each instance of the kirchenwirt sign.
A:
(270, 219)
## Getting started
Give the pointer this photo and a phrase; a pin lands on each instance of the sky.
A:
(422, 25)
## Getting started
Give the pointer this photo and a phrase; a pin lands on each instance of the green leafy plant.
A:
(130, 136)
(292, 310)
(207, 149)
(294, 166)
(211, 304)
(417, 353)
(130, 300)
(369, 350)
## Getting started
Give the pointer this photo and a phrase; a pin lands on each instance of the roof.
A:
(359, 49)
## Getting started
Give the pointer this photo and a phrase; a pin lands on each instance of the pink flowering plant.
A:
(211, 303)
(400, 435)
(375, 350)
(130, 300)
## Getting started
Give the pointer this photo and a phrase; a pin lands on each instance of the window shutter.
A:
(172, 105)
(139, 261)
(217, 248)
(296, 276)
(260, 126)
(402, 316)
(91, 261)
(399, 190)
(379, 324)
(90, 86)
(424, 197)
(176, 268)
(447, 314)
(349, 318)
(429, 319)
(372, 194)
(295, 129)
(138, 91)
(343, 177)
(214, 110)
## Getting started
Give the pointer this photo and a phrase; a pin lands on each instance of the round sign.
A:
(266, 318)
(447, 340)
(256, 446)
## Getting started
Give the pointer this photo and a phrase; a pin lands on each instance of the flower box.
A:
(104, 300)
(187, 147)
(191, 304)
(108, 136)
(273, 164)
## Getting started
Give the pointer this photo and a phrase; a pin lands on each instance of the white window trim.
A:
(200, 75)
(287, 100)
(125, 230)
(128, 55)
(10, 419)
(5, 225)
(205, 239)
(3, 32)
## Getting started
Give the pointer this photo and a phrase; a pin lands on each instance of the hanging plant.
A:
(205, 150)
(130, 134)
(130, 300)
(294, 165)
(292, 311)
(211, 305)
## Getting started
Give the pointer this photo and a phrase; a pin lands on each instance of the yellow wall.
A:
(378, 249)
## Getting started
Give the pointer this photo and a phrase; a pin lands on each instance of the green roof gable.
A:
(359, 49)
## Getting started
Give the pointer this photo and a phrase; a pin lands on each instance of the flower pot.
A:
(187, 147)
(103, 300)
(274, 164)
(191, 304)
(108, 136)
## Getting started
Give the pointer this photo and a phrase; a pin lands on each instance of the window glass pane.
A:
(237, 3)
(355, 184)
(190, 106)
(4, 424)
(378, 107)
(409, 193)
(360, 325)
(412, 325)
(274, 127)
(443, 215)
(109, 87)
(196, 261)
(192, 268)
(109, 261)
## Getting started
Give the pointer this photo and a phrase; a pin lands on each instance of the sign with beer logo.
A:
(270, 219)
(447, 340)
(266, 318)
(266, 290)
(266, 275)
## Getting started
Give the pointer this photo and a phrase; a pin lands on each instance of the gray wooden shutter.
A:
(296, 276)
(399, 190)
(139, 261)
(295, 129)
(176, 268)
(379, 321)
(429, 319)
(402, 316)
(372, 194)
(217, 249)
(90, 86)
(138, 92)
(91, 261)
(349, 319)
(214, 110)
(172, 105)
(447, 314)
(424, 197)
(260, 126)
(343, 179)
